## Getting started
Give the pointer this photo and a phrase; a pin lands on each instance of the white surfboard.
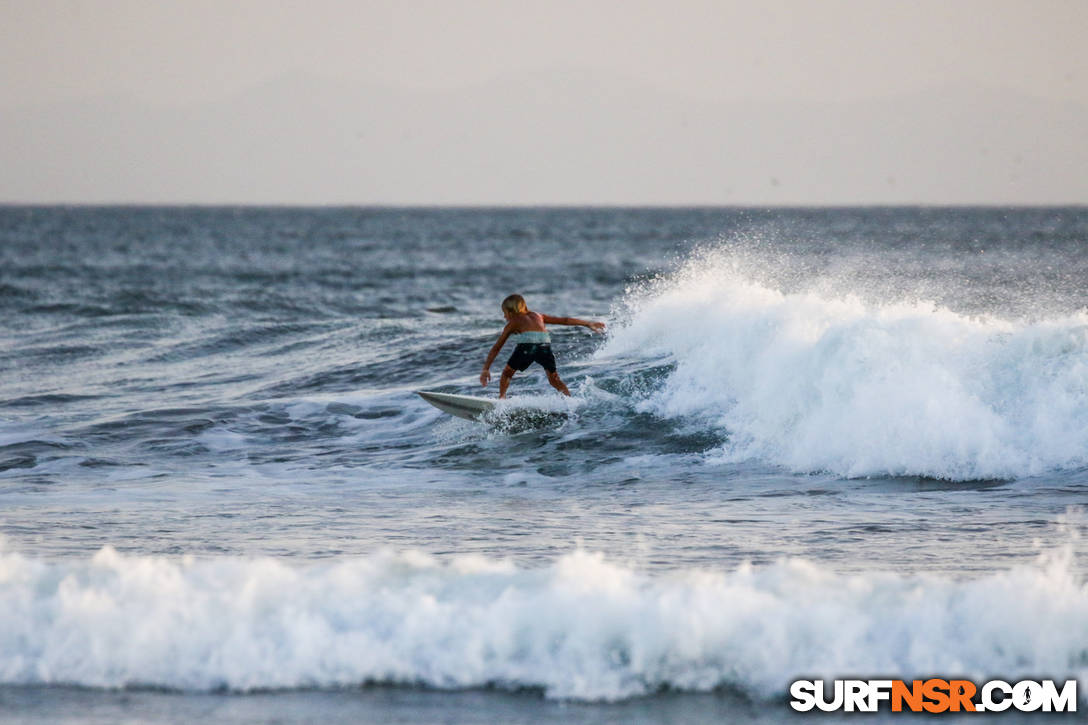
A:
(463, 406)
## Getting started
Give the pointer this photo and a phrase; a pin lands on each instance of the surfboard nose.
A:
(462, 406)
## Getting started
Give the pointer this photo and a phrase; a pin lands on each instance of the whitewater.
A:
(581, 628)
(815, 383)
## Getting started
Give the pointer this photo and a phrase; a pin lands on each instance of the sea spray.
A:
(817, 382)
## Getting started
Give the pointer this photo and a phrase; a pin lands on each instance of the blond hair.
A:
(514, 304)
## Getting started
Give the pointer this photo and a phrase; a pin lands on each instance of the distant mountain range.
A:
(546, 138)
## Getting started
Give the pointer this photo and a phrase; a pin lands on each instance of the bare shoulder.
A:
(534, 322)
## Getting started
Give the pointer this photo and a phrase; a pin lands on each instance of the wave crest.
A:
(815, 382)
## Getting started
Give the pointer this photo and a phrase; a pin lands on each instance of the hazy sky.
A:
(822, 101)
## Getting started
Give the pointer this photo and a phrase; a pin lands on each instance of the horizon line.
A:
(542, 206)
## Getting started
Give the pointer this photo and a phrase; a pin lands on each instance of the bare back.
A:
(527, 321)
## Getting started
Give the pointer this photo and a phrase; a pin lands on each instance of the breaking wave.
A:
(581, 628)
(818, 382)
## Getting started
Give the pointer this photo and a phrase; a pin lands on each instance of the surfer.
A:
(533, 343)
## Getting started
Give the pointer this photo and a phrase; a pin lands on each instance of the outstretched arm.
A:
(591, 324)
(485, 376)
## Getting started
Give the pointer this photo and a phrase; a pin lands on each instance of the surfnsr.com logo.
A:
(933, 695)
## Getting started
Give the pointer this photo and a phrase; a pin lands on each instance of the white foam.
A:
(537, 403)
(581, 628)
(820, 383)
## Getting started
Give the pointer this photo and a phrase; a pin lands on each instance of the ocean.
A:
(812, 443)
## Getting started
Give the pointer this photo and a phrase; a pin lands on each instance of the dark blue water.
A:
(811, 441)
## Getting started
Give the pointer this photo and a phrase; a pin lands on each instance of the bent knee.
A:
(553, 375)
(508, 372)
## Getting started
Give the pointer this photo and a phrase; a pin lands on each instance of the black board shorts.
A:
(527, 353)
